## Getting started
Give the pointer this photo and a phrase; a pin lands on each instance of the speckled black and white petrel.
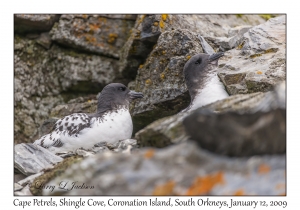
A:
(202, 81)
(111, 122)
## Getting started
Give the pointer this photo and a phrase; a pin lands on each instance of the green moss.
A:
(234, 78)
(267, 16)
(256, 86)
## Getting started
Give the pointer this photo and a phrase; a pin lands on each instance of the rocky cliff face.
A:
(70, 57)
(61, 63)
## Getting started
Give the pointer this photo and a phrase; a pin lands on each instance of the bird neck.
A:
(198, 81)
(104, 105)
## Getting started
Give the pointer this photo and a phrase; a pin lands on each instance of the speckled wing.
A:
(70, 125)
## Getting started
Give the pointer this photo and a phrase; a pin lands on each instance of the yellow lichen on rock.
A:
(164, 17)
(161, 24)
(112, 38)
(148, 82)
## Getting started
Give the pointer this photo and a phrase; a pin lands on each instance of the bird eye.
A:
(121, 88)
(198, 61)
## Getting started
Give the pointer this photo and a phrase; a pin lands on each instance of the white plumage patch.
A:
(83, 131)
(213, 91)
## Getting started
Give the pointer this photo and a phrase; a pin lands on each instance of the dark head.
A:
(197, 68)
(115, 95)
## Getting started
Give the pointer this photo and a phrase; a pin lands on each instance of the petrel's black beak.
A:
(215, 56)
(135, 95)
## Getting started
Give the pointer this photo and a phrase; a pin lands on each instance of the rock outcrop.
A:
(259, 62)
(105, 35)
(182, 169)
(47, 74)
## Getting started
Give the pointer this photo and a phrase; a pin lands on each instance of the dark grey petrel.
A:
(201, 79)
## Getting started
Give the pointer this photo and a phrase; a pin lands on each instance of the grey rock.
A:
(24, 23)
(125, 146)
(235, 134)
(122, 146)
(163, 132)
(93, 33)
(84, 153)
(44, 40)
(206, 47)
(182, 169)
(17, 187)
(18, 176)
(259, 62)
(148, 28)
(88, 106)
(239, 30)
(24, 192)
(30, 159)
(120, 16)
(234, 39)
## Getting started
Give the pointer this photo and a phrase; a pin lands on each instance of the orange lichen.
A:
(155, 23)
(164, 189)
(149, 153)
(89, 101)
(280, 186)
(203, 185)
(102, 19)
(188, 57)
(93, 27)
(258, 72)
(100, 44)
(141, 66)
(90, 39)
(263, 168)
(112, 38)
(239, 192)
